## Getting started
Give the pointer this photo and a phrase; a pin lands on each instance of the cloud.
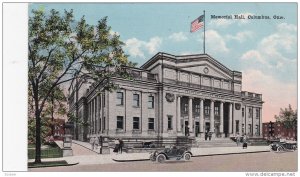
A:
(215, 42)
(280, 96)
(138, 48)
(178, 37)
(153, 45)
(226, 22)
(276, 51)
(240, 36)
(134, 46)
(271, 69)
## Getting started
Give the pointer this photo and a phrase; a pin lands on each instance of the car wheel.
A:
(279, 149)
(187, 156)
(160, 158)
(152, 158)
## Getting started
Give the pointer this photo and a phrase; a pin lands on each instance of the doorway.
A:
(197, 129)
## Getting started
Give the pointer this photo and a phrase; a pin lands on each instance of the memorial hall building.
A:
(170, 96)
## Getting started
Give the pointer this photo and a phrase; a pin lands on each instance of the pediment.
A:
(205, 67)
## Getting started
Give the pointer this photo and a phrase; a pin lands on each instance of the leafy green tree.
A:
(288, 117)
(61, 49)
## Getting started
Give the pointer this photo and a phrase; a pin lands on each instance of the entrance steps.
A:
(215, 142)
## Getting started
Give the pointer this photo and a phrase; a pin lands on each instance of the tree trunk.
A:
(37, 129)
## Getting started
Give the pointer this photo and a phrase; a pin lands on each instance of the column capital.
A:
(191, 97)
(212, 100)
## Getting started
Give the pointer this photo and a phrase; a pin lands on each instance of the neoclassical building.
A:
(170, 96)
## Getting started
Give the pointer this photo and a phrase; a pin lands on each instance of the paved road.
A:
(266, 161)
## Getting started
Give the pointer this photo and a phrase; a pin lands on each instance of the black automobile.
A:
(174, 153)
(283, 146)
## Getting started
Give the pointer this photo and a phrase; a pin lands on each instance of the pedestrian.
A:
(92, 142)
(121, 144)
(117, 143)
(96, 142)
(209, 135)
(245, 142)
(206, 135)
(237, 139)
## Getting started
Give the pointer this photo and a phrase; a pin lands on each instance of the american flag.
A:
(197, 24)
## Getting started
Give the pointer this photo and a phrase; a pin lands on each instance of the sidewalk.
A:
(97, 158)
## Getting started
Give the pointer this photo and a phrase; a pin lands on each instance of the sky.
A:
(264, 50)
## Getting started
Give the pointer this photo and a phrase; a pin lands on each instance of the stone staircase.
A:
(257, 141)
(216, 142)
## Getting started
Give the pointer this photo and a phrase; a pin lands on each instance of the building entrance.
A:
(197, 129)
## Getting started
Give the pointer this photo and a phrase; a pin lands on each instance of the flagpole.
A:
(204, 34)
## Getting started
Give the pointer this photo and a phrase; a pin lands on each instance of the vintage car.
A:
(283, 146)
(174, 153)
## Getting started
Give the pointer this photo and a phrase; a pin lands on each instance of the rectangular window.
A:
(120, 98)
(151, 123)
(250, 128)
(103, 99)
(104, 128)
(170, 122)
(250, 113)
(217, 111)
(150, 102)
(186, 107)
(206, 110)
(243, 112)
(197, 108)
(136, 123)
(257, 113)
(120, 121)
(136, 100)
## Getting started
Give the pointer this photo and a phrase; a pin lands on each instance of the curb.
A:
(134, 160)
(230, 153)
(44, 166)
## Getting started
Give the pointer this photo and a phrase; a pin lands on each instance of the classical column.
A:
(178, 113)
(191, 114)
(221, 119)
(260, 122)
(230, 118)
(212, 115)
(233, 121)
(201, 116)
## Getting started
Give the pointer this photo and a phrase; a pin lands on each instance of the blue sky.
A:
(264, 50)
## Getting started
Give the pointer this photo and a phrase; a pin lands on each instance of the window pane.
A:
(151, 124)
(169, 122)
(136, 123)
(151, 102)
(119, 98)
(120, 122)
(135, 100)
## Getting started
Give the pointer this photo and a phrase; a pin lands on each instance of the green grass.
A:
(50, 152)
(47, 164)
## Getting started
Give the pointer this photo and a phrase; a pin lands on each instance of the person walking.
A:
(96, 142)
(92, 142)
(117, 143)
(121, 144)
(245, 142)
(206, 135)
(209, 136)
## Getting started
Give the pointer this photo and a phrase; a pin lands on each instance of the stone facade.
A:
(171, 96)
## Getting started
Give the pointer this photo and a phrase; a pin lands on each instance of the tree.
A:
(289, 118)
(60, 49)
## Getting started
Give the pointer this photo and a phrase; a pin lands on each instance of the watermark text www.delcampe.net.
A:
(271, 174)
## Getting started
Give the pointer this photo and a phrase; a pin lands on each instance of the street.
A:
(265, 161)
